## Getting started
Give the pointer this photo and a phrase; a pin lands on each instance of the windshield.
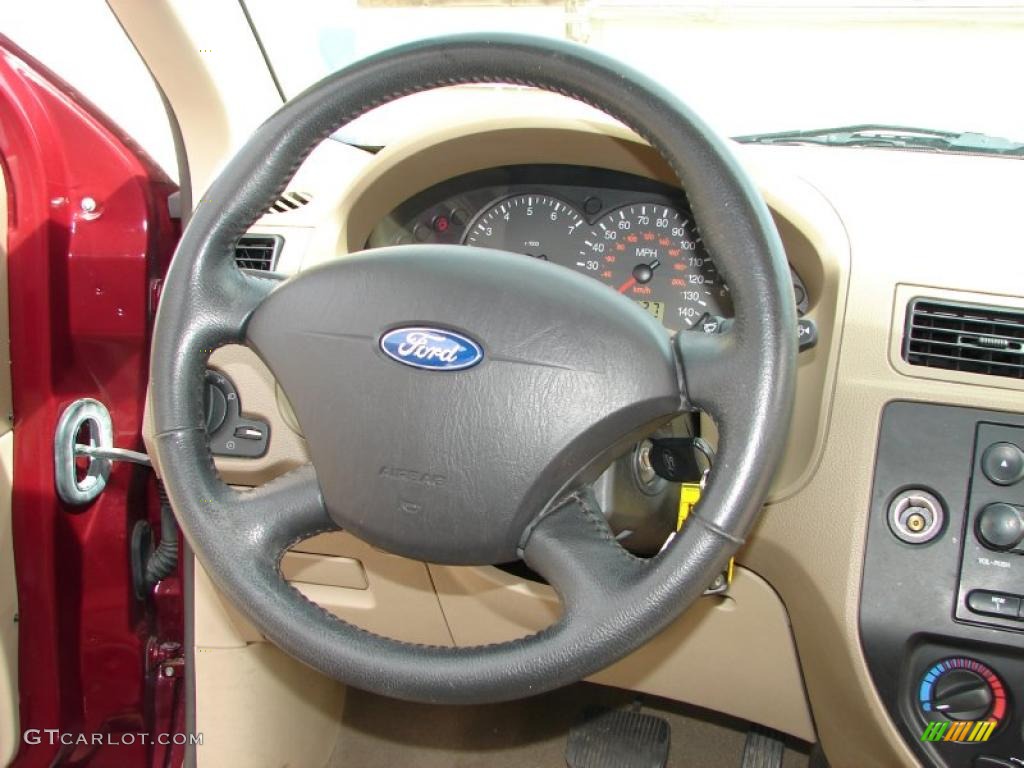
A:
(746, 67)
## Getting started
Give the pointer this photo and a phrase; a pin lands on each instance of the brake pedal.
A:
(764, 748)
(623, 738)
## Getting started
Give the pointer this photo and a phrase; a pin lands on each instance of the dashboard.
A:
(635, 235)
(837, 627)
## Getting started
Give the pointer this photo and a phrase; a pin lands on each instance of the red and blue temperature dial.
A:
(961, 688)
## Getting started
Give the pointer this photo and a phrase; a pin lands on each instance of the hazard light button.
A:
(1003, 463)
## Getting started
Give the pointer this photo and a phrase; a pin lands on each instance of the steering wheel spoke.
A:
(282, 512)
(713, 379)
(574, 549)
(232, 297)
(261, 521)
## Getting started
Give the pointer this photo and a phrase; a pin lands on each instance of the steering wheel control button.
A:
(1003, 463)
(916, 516)
(994, 604)
(806, 333)
(1001, 526)
(806, 329)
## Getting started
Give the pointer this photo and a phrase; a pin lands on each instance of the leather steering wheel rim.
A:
(612, 601)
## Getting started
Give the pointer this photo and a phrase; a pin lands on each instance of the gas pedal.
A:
(622, 738)
(764, 748)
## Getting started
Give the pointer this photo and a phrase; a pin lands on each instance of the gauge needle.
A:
(642, 273)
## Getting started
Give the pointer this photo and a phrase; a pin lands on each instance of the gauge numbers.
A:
(649, 252)
(653, 254)
(536, 225)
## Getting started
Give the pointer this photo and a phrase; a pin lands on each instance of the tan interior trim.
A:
(810, 547)
(211, 70)
(258, 707)
(10, 735)
(324, 570)
(733, 654)
(10, 732)
(395, 596)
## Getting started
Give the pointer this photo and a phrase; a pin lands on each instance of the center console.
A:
(942, 600)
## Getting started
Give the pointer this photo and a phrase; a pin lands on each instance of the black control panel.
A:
(230, 432)
(992, 569)
(940, 616)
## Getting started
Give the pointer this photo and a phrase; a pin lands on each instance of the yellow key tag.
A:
(689, 495)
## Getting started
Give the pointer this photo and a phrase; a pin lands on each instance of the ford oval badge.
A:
(431, 349)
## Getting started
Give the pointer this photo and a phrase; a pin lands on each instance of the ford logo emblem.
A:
(431, 349)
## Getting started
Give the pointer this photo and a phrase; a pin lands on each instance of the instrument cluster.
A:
(633, 234)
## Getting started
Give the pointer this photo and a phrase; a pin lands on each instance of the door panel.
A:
(88, 240)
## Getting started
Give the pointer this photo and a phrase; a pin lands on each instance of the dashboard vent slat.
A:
(258, 252)
(290, 201)
(971, 338)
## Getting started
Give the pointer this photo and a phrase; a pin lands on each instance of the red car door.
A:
(88, 236)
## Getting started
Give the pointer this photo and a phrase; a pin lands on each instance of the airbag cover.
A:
(439, 453)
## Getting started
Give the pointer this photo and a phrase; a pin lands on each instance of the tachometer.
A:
(653, 254)
(536, 225)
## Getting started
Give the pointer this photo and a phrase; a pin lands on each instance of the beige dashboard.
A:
(863, 230)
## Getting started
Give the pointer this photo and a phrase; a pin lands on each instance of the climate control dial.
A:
(961, 688)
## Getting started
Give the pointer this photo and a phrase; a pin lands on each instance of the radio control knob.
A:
(1000, 526)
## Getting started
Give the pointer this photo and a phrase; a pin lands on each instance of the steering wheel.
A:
(457, 401)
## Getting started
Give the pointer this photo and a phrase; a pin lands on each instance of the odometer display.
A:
(656, 308)
(653, 254)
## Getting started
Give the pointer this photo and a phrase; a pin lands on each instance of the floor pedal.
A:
(764, 748)
(623, 738)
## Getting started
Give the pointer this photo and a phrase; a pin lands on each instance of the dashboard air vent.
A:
(258, 252)
(972, 338)
(290, 201)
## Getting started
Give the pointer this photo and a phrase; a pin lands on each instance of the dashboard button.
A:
(1003, 463)
(993, 603)
(1000, 526)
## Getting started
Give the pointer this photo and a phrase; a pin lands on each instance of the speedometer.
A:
(653, 254)
(536, 225)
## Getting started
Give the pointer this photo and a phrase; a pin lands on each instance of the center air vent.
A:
(258, 252)
(972, 338)
(290, 201)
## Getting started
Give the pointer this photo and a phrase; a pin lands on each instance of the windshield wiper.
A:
(892, 136)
